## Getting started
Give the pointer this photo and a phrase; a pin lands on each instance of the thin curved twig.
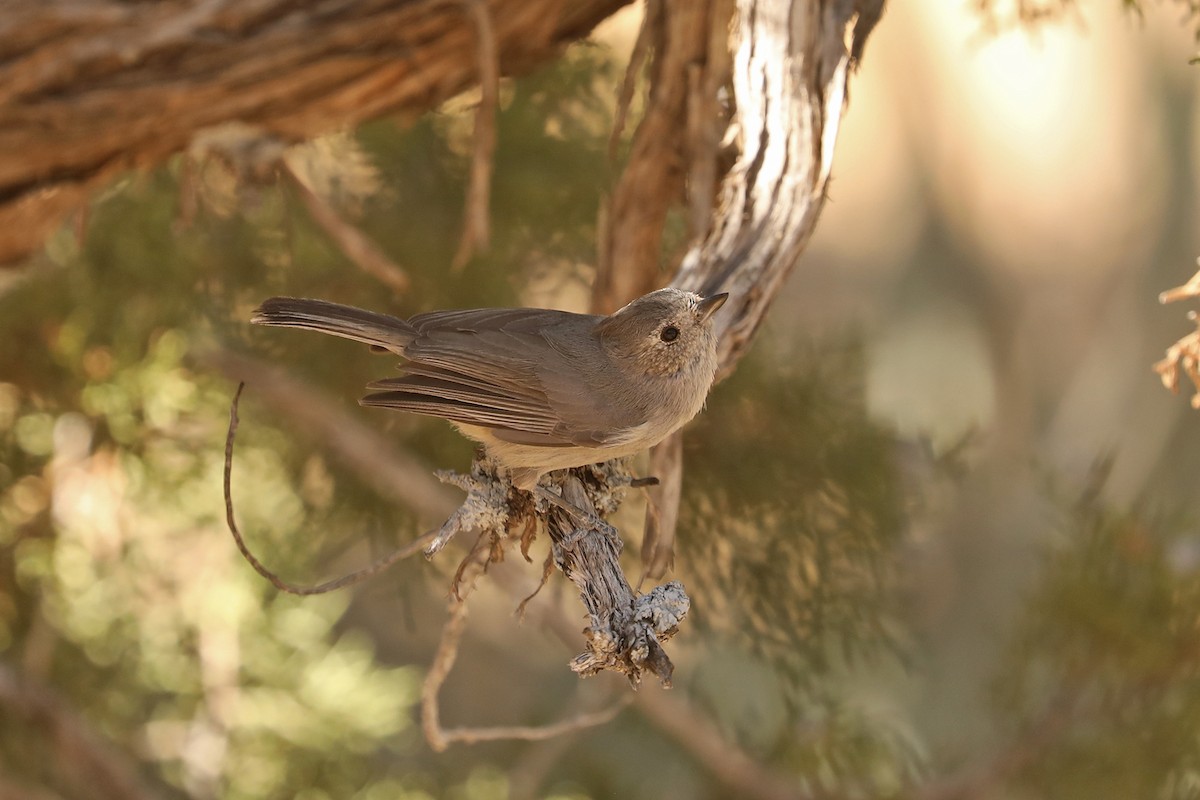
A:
(536, 733)
(350, 579)
(447, 650)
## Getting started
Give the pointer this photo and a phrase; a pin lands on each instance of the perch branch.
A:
(624, 630)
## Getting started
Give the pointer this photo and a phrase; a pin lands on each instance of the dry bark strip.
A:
(791, 65)
(790, 70)
(88, 90)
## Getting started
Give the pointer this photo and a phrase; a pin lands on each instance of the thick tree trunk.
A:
(90, 89)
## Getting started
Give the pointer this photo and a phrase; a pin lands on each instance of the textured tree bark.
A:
(679, 129)
(791, 64)
(791, 61)
(624, 629)
(90, 89)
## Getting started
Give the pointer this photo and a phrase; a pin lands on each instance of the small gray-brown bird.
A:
(542, 390)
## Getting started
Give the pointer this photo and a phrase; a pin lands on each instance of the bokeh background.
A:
(939, 529)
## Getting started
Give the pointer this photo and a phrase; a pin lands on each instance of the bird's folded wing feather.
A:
(488, 368)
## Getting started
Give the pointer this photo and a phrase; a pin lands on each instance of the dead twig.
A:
(476, 222)
(471, 567)
(1189, 289)
(392, 473)
(354, 244)
(1184, 355)
(624, 630)
(535, 733)
(328, 586)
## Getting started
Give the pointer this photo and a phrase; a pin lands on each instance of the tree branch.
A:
(791, 65)
(89, 90)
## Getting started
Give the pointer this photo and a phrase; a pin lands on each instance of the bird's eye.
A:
(669, 333)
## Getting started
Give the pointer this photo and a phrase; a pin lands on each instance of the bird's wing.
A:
(489, 368)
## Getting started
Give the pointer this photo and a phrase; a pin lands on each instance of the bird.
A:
(542, 390)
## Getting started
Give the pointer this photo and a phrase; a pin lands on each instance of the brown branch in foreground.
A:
(476, 218)
(354, 244)
(94, 768)
(328, 586)
(111, 86)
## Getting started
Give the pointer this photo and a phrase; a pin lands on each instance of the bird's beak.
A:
(708, 306)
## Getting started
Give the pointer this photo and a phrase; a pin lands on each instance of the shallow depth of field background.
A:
(943, 517)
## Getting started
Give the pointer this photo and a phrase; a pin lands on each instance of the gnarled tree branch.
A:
(88, 90)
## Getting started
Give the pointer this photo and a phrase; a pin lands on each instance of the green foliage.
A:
(793, 544)
(1101, 673)
(791, 515)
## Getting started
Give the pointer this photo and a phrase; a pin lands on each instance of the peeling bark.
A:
(790, 68)
(791, 64)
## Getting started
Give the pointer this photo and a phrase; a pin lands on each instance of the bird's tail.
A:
(377, 330)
